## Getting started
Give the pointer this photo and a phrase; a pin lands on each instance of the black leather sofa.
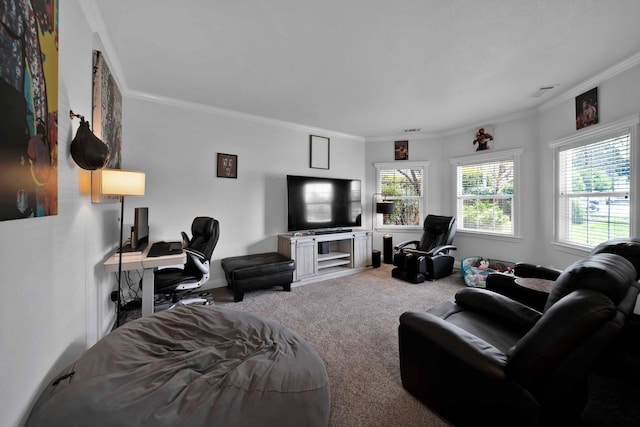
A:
(486, 359)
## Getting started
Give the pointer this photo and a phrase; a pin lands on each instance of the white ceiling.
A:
(367, 67)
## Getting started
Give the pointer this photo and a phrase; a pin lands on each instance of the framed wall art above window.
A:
(587, 109)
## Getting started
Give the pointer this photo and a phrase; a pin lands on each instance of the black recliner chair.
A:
(504, 284)
(427, 259)
(205, 232)
(489, 360)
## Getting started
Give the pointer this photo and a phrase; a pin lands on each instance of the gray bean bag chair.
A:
(191, 366)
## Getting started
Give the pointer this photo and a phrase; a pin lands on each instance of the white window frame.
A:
(424, 165)
(488, 157)
(587, 136)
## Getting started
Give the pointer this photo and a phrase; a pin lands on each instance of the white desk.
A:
(148, 264)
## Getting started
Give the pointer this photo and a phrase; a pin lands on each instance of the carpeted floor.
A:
(352, 323)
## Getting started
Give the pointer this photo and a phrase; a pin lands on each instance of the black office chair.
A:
(428, 258)
(199, 248)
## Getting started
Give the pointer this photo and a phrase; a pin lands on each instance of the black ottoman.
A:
(257, 271)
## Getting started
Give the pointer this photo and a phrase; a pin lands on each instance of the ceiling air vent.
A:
(544, 89)
(412, 130)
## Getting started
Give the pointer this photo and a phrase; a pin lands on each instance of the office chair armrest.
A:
(199, 259)
(403, 245)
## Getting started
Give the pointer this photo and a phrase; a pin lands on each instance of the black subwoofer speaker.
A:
(387, 247)
(375, 258)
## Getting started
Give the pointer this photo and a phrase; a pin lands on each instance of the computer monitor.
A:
(140, 230)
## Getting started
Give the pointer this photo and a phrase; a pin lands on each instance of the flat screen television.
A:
(315, 203)
(140, 230)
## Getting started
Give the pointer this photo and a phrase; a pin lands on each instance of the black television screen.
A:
(140, 233)
(323, 203)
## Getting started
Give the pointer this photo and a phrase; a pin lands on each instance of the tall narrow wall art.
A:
(106, 120)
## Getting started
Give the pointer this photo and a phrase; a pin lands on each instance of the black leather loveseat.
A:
(487, 359)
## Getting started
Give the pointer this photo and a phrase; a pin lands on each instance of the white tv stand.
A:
(346, 253)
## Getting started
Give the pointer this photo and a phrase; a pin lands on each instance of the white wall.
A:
(422, 149)
(517, 133)
(177, 148)
(55, 294)
(618, 98)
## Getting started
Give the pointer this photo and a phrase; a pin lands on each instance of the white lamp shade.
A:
(118, 182)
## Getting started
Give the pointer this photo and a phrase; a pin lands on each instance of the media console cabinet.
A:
(325, 256)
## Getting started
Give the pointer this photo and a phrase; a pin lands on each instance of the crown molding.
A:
(194, 106)
(597, 131)
(403, 137)
(568, 95)
(592, 82)
(102, 41)
(456, 131)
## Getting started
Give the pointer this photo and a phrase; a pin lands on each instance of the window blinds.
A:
(485, 196)
(594, 182)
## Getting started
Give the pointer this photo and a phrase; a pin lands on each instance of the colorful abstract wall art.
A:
(28, 108)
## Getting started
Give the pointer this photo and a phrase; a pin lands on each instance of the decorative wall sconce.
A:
(87, 150)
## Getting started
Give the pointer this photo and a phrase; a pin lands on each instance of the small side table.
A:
(535, 284)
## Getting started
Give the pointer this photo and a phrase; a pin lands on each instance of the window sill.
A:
(490, 236)
(581, 251)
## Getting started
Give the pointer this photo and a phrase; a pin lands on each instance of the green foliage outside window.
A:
(489, 210)
(404, 187)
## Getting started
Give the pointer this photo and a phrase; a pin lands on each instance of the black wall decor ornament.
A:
(87, 150)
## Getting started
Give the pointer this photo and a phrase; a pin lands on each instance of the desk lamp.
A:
(384, 207)
(118, 182)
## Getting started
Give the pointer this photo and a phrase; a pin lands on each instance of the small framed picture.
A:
(587, 109)
(483, 138)
(227, 165)
(401, 150)
(318, 152)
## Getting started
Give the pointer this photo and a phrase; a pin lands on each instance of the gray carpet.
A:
(352, 323)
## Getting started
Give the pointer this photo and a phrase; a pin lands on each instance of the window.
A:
(404, 184)
(593, 185)
(486, 192)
